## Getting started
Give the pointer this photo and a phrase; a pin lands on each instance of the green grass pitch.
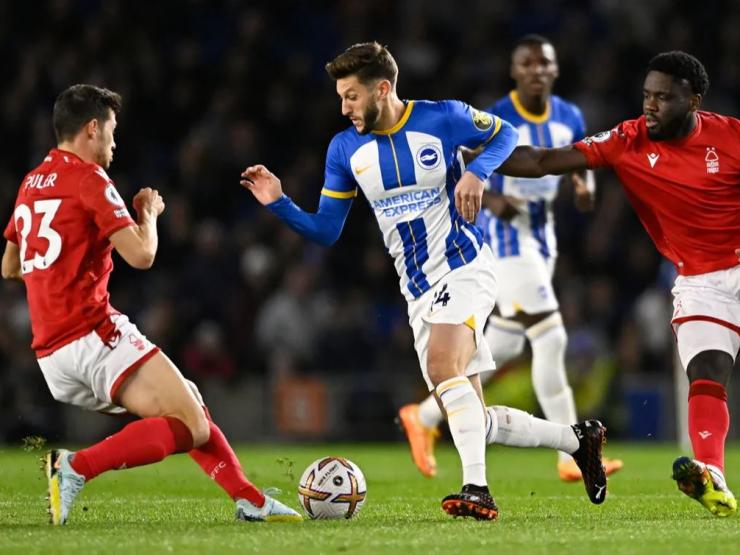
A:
(172, 507)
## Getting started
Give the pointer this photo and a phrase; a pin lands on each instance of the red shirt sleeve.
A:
(99, 196)
(605, 148)
(10, 233)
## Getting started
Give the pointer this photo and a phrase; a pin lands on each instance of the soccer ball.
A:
(332, 487)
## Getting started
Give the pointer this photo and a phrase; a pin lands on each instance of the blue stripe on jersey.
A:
(547, 135)
(415, 251)
(508, 239)
(459, 249)
(405, 160)
(396, 161)
(537, 221)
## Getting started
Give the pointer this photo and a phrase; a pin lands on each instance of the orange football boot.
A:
(421, 439)
(569, 471)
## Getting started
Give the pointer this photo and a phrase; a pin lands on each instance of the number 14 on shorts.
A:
(441, 297)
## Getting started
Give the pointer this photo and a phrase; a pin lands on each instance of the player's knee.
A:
(710, 365)
(442, 366)
(200, 429)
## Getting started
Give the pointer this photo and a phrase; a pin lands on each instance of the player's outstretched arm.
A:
(264, 185)
(137, 244)
(12, 262)
(323, 227)
(532, 161)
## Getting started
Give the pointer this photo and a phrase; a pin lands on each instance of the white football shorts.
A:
(88, 371)
(525, 284)
(465, 295)
(706, 313)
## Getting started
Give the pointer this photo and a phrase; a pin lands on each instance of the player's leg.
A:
(133, 374)
(448, 335)
(531, 301)
(708, 351)
(506, 340)
(451, 348)
(548, 340)
(171, 421)
(583, 441)
(420, 422)
(217, 459)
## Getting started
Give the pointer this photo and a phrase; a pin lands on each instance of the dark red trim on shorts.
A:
(702, 318)
(125, 374)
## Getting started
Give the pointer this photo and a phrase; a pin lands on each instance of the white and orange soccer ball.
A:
(332, 487)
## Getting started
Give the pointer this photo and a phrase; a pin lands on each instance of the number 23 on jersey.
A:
(46, 245)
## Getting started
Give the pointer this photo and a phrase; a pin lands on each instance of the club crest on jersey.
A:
(429, 157)
(482, 120)
(598, 138)
(712, 160)
(112, 195)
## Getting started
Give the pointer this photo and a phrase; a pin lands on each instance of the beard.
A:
(671, 129)
(370, 119)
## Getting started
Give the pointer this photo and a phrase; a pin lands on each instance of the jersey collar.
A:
(401, 122)
(526, 114)
(60, 152)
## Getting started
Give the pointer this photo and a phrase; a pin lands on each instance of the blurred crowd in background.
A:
(235, 298)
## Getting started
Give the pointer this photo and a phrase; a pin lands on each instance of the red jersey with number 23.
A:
(65, 211)
(686, 192)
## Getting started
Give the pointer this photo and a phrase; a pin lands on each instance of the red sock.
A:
(709, 421)
(219, 461)
(144, 441)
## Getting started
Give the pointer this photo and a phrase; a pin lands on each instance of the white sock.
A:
(516, 428)
(466, 418)
(549, 340)
(430, 415)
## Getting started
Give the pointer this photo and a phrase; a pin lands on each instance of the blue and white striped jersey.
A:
(408, 175)
(533, 228)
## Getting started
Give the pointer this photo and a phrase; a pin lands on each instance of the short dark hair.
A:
(681, 65)
(79, 104)
(367, 60)
(532, 39)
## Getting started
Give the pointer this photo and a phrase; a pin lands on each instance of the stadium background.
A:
(287, 339)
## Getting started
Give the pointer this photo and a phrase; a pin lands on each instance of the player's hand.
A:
(468, 194)
(265, 186)
(584, 199)
(737, 252)
(148, 202)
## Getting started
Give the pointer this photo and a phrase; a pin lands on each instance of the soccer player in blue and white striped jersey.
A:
(403, 155)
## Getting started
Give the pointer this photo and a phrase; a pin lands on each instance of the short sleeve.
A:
(470, 127)
(338, 181)
(603, 149)
(100, 198)
(10, 233)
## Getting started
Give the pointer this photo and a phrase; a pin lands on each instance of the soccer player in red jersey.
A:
(68, 218)
(681, 171)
